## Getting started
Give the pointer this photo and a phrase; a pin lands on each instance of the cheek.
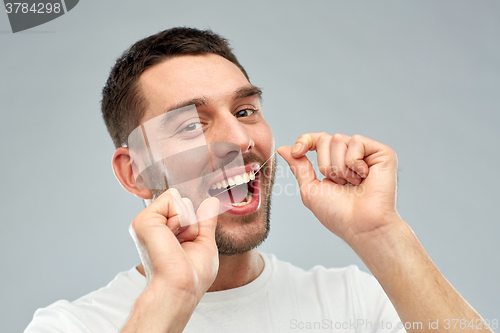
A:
(265, 140)
(187, 165)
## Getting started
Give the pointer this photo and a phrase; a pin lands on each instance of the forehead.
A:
(183, 78)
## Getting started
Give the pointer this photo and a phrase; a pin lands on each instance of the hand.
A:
(358, 194)
(184, 259)
(357, 201)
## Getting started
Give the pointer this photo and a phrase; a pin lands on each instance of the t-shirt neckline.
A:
(224, 295)
(246, 290)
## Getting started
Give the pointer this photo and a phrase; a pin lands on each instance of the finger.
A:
(189, 232)
(355, 155)
(376, 152)
(338, 180)
(170, 205)
(181, 208)
(339, 146)
(207, 215)
(315, 141)
(306, 142)
(190, 214)
(175, 225)
(165, 210)
(323, 152)
(181, 218)
(301, 167)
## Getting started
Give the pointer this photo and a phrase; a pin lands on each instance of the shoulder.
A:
(106, 307)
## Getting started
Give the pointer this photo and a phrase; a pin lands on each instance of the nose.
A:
(229, 129)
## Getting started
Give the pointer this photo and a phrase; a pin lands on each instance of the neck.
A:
(234, 271)
(238, 270)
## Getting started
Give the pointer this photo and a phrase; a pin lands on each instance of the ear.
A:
(122, 167)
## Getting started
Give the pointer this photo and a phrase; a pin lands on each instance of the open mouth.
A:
(237, 190)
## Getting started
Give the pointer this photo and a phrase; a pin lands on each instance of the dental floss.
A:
(254, 173)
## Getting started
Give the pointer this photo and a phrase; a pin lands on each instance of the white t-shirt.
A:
(283, 298)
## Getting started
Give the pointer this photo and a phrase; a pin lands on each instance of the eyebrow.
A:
(200, 101)
(244, 92)
(247, 92)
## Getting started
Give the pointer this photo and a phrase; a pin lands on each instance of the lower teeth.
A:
(248, 198)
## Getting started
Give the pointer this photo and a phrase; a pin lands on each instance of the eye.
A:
(192, 127)
(244, 113)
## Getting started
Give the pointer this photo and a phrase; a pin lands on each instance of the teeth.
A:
(236, 180)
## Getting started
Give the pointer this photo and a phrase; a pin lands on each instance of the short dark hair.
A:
(122, 104)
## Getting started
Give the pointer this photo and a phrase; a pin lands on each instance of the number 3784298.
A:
(477, 324)
(36, 8)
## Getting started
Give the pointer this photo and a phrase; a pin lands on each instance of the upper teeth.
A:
(236, 180)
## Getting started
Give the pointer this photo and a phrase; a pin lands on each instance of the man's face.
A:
(228, 109)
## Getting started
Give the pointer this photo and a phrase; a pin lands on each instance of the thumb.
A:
(301, 167)
(207, 216)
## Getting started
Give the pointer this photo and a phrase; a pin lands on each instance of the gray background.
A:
(420, 76)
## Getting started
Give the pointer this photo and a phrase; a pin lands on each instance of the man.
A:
(208, 276)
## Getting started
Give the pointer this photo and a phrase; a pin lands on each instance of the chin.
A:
(239, 234)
